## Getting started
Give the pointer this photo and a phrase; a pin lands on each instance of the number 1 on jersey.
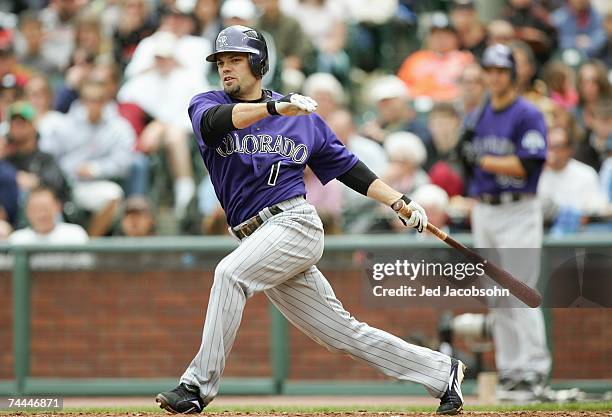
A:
(274, 173)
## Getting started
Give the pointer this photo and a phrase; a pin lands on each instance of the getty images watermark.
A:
(424, 277)
(408, 272)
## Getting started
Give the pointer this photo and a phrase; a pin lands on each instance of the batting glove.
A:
(410, 213)
(292, 105)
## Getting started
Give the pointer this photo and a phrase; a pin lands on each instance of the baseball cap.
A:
(164, 44)
(387, 87)
(137, 204)
(241, 9)
(498, 56)
(174, 10)
(21, 109)
(440, 21)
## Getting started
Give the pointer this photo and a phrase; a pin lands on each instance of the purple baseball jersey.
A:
(263, 164)
(517, 130)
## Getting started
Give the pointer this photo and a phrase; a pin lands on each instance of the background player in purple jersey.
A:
(256, 144)
(505, 147)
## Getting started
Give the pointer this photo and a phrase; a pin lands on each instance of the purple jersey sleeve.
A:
(330, 158)
(198, 106)
(531, 136)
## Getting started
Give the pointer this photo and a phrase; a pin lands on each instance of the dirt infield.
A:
(334, 414)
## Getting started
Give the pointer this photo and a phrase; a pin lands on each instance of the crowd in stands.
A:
(95, 138)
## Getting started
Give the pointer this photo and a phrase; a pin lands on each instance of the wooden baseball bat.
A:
(517, 288)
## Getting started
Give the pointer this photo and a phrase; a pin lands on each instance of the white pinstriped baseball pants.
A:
(519, 354)
(279, 259)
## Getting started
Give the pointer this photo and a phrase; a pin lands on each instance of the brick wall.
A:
(135, 324)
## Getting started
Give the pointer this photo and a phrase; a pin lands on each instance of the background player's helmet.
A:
(243, 39)
(499, 56)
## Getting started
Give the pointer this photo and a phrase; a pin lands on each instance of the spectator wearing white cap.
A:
(327, 91)
(238, 12)
(164, 93)
(189, 51)
(394, 112)
(244, 12)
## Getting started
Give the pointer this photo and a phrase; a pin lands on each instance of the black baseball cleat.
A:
(452, 401)
(184, 399)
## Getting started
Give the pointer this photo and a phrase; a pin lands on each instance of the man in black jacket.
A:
(34, 167)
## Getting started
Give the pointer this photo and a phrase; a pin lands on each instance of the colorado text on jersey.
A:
(250, 144)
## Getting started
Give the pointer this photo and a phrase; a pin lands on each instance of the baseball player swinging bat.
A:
(256, 144)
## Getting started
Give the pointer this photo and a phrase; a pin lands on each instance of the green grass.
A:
(592, 406)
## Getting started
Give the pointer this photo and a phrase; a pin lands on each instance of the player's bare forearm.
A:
(245, 114)
(383, 193)
(503, 165)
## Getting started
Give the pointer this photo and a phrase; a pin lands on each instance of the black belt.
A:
(503, 198)
(246, 228)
